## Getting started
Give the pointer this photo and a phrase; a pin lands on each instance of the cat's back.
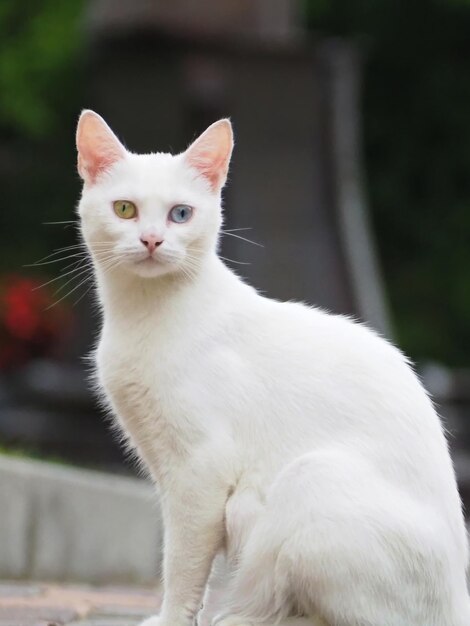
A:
(332, 345)
(355, 385)
(345, 364)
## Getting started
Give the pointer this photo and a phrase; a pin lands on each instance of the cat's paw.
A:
(231, 620)
(155, 620)
(158, 620)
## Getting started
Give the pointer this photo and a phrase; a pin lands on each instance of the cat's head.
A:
(150, 214)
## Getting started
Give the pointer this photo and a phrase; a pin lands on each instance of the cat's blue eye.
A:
(180, 213)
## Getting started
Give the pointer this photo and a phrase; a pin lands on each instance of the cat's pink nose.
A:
(151, 242)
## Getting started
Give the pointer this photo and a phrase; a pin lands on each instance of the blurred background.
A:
(352, 169)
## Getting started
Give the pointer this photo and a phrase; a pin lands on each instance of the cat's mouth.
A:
(155, 261)
(148, 260)
(151, 265)
(158, 257)
(151, 258)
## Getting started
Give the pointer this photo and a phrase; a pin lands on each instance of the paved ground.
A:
(38, 604)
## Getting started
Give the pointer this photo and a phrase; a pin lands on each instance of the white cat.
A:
(298, 444)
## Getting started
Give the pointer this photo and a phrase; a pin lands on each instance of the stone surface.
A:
(55, 614)
(15, 523)
(28, 622)
(19, 590)
(73, 605)
(66, 524)
(129, 611)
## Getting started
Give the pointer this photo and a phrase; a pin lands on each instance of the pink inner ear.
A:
(98, 147)
(209, 166)
(210, 153)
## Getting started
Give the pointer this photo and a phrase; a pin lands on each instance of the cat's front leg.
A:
(217, 590)
(194, 531)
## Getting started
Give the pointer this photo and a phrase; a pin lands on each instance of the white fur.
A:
(298, 444)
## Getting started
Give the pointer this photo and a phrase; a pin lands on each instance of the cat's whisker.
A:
(192, 263)
(100, 243)
(84, 259)
(231, 230)
(105, 251)
(81, 245)
(81, 266)
(195, 249)
(84, 270)
(106, 270)
(192, 271)
(110, 257)
(78, 249)
(83, 294)
(78, 254)
(105, 264)
(224, 258)
(69, 292)
(63, 222)
(80, 271)
(191, 257)
(232, 234)
(60, 277)
(71, 248)
(58, 251)
(187, 272)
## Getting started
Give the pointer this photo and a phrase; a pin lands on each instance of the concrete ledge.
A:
(66, 524)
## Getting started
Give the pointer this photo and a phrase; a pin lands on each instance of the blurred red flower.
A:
(30, 324)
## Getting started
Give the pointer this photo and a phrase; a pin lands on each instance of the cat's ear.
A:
(210, 153)
(97, 145)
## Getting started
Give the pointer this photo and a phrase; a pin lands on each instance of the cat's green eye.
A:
(180, 213)
(125, 209)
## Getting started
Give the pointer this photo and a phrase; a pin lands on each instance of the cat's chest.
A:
(161, 390)
(139, 382)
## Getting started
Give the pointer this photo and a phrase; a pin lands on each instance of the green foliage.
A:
(41, 91)
(38, 42)
(31, 453)
(416, 97)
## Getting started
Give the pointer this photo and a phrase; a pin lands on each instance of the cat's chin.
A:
(150, 268)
